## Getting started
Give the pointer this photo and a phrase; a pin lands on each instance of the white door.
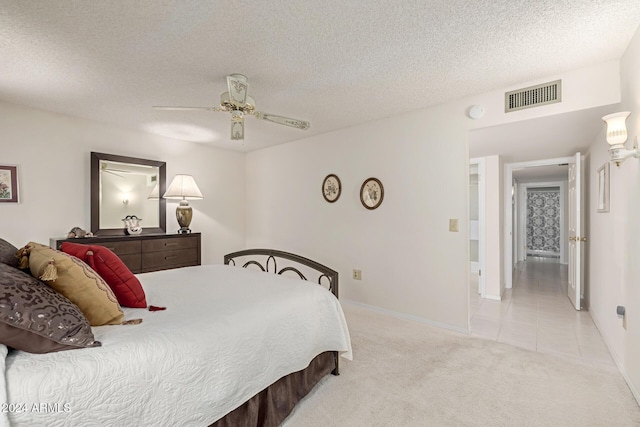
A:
(576, 239)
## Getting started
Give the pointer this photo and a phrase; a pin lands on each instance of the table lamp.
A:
(183, 187)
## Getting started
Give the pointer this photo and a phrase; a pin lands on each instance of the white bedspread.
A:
(226, 334)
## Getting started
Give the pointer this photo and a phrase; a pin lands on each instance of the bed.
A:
(234, 346)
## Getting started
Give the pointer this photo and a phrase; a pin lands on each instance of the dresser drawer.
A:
(123, 248)
(128, 252)
(161, 260)
(156, 245)
(132, 261)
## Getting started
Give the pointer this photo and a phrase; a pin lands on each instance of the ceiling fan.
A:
(237, 102)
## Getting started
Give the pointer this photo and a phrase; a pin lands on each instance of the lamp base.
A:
(184, 213)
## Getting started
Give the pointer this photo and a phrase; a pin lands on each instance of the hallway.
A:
(537, 315)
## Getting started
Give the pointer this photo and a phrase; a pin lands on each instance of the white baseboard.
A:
(617, 360)
(405, 316)
(493, 297)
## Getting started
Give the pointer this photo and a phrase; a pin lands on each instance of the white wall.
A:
(52, 155)
(410, 262)
(614, 251)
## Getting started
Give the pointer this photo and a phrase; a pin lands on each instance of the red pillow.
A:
(124, 284)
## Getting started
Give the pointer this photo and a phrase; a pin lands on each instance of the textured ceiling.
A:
(334, 63)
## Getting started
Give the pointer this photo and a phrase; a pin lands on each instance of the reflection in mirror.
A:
(122, 186)
(124, 190)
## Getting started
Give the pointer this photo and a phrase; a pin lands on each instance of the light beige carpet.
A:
(406, 373)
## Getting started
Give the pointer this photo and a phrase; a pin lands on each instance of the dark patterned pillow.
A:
(37, 319)
(8, 254)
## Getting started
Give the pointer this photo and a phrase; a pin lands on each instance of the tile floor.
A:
(536, 314)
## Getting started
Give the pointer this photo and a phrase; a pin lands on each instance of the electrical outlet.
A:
(357, 274)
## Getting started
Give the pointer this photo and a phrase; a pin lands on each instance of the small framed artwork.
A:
(603, 188)
(371, 193)
(331, 188)
(9, 184)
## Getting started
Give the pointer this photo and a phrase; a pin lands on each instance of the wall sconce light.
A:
(617, 136)
(125, 199)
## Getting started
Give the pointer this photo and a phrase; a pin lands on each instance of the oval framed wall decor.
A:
(371, 193)
(331, 188)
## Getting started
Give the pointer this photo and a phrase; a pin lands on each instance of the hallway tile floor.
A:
(536, 314)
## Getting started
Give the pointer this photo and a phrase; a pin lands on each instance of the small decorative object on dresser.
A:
(331, 188)
(371, 193)
(132, 224)
(148, 252)
(9, 184)
(78, 233)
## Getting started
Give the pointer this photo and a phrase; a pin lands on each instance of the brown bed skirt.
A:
(273, 404)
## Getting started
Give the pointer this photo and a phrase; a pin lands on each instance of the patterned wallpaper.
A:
(543, 220)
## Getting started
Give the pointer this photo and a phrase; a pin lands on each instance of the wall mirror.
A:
(122, 186)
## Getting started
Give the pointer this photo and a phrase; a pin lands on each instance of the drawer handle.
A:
(170, 257)
(171, 244)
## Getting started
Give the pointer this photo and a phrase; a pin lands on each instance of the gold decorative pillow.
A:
(77, 281)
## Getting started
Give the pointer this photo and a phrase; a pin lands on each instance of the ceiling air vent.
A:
(533, 96)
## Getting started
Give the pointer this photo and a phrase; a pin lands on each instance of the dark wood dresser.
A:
(147, 252)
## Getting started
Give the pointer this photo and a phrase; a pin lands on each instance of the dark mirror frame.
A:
(95, 193)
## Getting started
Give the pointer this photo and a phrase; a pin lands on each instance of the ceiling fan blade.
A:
(237, 127)
(105, 168)
(159, 107)
(238, 86)
(300, 124)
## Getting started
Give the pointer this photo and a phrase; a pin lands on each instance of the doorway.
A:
(538, 170)
(521, 180)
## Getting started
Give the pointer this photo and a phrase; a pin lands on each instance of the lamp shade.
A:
(183, 187)
(616, 127)
(155, 193)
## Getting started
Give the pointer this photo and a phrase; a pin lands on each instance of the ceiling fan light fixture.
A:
(228, 105)
(237, 116)
(239, 104)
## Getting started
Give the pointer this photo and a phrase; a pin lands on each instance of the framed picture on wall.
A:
(371, 193)
(603, 188)
(8, 184)
(331, 188)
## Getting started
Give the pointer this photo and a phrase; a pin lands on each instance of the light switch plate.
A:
(453, 224)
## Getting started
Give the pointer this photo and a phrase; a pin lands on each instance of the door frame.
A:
(482, 226)
(576, 230)
(509, 259)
